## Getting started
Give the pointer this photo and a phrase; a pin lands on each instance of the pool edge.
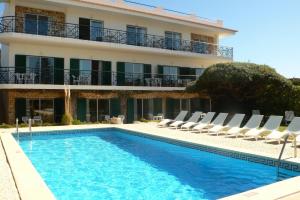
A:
(29, 183)
(279, 190)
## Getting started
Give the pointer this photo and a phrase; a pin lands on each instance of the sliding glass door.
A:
(96, 32)
(136, 35)
(134, 73)
(36, 24)
(172, 40)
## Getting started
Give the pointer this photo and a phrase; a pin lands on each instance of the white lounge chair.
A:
(205, 121)
(253, 123)
(236, 121)
(194, 118)
(218, 121)
(166, 122)
(293, 128)
(272, 124)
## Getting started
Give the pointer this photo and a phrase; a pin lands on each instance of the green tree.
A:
(242, 87)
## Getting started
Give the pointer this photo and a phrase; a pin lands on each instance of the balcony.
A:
(12, 24)
(33, 76)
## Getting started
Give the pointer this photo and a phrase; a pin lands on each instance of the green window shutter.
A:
(147, 71)
(106, 73)
(20, 63)
(74, 69)
(120, 73)
(193, 73)
(84, 28)
(115, 108)
(130, 111)
(20, 108)
(160, 71)
(157, 106)
(184, 72)
(81, 110)
(59, 71)
(59, 109)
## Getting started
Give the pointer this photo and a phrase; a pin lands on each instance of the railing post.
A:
(17, 129)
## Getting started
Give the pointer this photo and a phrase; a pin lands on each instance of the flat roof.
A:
(134, 8)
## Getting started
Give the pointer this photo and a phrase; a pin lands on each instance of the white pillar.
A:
(114, 71)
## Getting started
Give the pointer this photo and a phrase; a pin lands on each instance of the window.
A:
(41, 68)
(199, 72)
(134, 73)
(43, 108)
(36, 24)
(136, 35)
(170, 72)
(85, 67)
(96, 32)
(172, 40)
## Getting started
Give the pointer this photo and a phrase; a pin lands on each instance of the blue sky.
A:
(269, 31)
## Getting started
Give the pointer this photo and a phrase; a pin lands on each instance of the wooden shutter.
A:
(59, 109)
(147, 71)
(74, 69)
(84, 28)
(106, 73)
(81, 110)
(95, 72)
(20, 108)
(115, 108)
(59, 67)
(20, 63)
(120, 73)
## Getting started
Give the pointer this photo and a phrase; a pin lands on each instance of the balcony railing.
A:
(15, 75)
(75, 31)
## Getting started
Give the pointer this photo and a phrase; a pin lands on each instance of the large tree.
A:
(242, 87)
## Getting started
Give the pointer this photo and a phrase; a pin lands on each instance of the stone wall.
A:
(57, 19)
(28, 94)
(9, 97)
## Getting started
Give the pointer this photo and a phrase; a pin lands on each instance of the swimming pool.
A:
(113, 164)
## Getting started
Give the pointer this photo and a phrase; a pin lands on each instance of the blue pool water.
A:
(112, 164)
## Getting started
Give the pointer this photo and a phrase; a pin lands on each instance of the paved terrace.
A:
(289, 189)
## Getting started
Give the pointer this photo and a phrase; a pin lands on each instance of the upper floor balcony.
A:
(77, 77)
(45, 27)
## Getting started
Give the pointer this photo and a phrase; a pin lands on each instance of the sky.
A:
(268, 30)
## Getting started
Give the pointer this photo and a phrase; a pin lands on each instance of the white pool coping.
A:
(31, 186)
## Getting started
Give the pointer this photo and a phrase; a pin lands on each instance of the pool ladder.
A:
(281, 176)
(17, 128)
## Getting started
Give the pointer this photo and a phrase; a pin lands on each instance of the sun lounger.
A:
(293, 128)
(194, 118)
(180, 117)
(234, 122)
(205, 121)
(218, 121)
(272, 124)
(253, 123)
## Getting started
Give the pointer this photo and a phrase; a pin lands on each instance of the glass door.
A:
(36, 24)
(47, 70)
(43, 22)
(33, 69)
(172, 40)
(31, 26)
(96, 30)
(85, 75)
(136, 35)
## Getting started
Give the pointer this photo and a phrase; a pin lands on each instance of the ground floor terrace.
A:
(34, 187)
(96, 106)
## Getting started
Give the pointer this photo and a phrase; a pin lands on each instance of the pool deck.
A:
(31, 186)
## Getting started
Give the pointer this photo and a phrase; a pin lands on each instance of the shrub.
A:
(66, 119)
(76, 122)
(6, 126)
(242, 87)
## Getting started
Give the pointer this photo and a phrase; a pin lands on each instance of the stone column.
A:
(123, 102)
(11, 109)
